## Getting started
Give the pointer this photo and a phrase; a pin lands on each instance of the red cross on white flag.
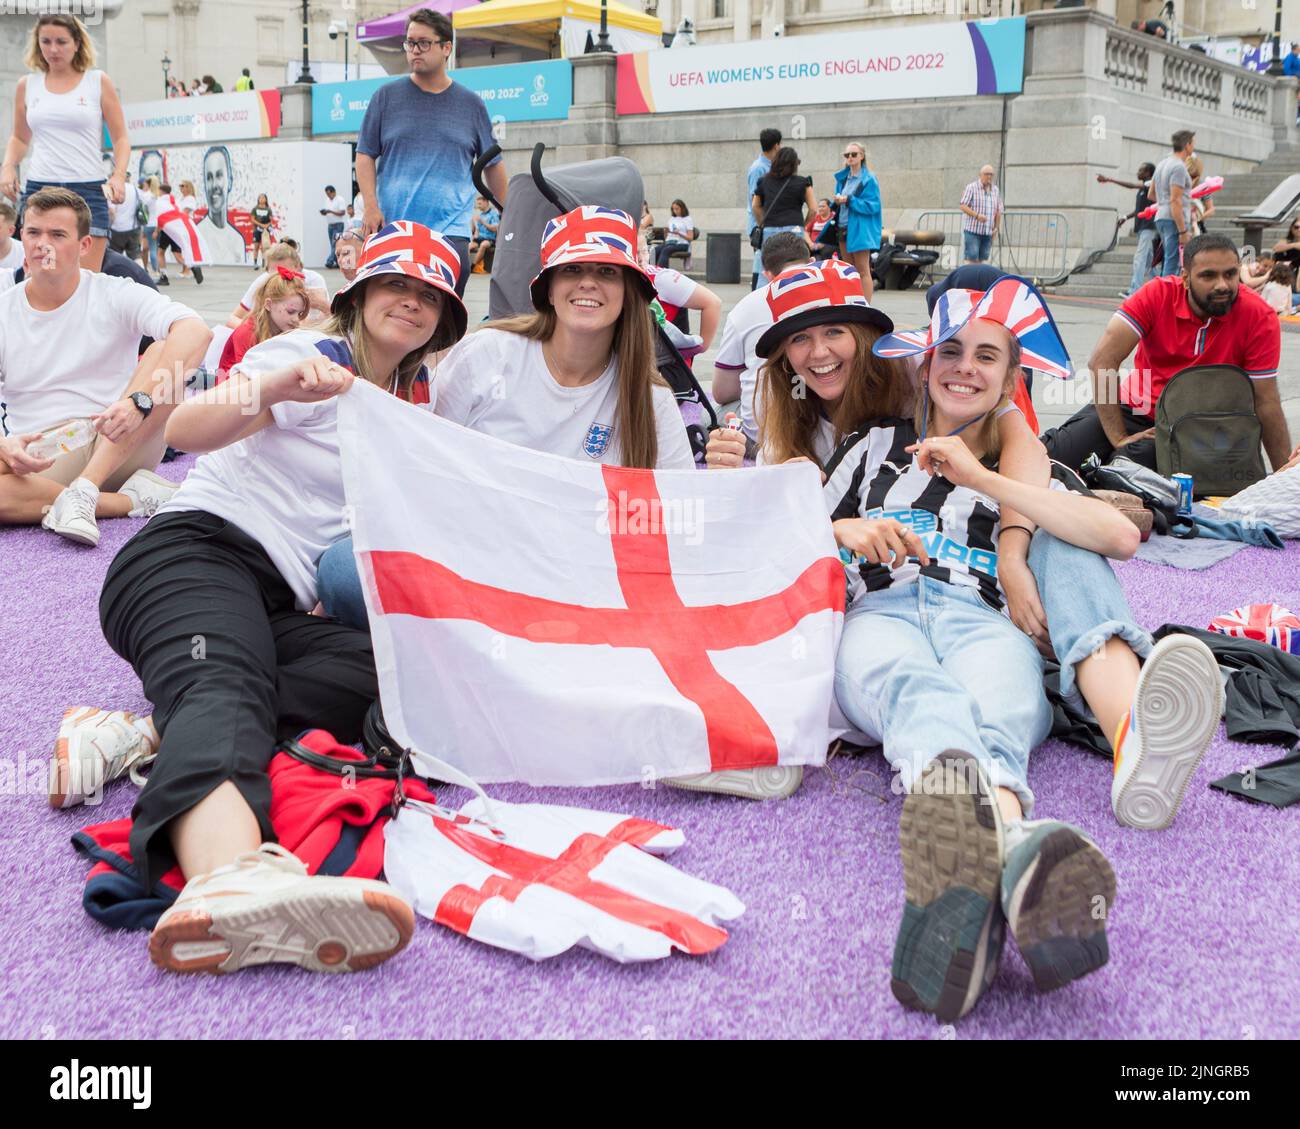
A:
(560, 622)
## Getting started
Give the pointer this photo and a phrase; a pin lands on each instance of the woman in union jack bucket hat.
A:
(254, 520)
(931, 667)
(577, 378)
(820, 379)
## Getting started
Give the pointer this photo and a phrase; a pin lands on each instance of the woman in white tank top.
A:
(63, 106)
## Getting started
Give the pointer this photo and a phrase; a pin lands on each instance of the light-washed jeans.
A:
(1143, 268)
(338, 585)
(1169, 243)
(1084, 605)
(929, 666)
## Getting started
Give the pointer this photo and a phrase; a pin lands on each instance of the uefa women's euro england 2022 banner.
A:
(946, 60)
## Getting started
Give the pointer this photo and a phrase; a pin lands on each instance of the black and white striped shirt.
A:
(873, 476)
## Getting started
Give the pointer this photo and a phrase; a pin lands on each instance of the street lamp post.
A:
(602, 40)
(166, 65)
(305, 75)
(337, 28)
(1275, 67)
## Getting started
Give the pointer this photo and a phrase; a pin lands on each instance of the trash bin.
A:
(723, 251)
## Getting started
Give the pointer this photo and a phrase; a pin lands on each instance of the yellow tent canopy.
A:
(496, 12)
(537, 23)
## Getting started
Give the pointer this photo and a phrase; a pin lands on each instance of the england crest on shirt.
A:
(598, 437)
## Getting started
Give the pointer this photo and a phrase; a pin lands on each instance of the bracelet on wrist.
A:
(1024, 527)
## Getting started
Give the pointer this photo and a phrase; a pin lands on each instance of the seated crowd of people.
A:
(967, 555)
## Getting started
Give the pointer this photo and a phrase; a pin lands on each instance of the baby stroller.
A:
(534, 200)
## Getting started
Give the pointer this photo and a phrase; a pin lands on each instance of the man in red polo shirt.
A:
(1201, 317)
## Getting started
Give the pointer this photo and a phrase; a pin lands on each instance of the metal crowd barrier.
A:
(1033, 245)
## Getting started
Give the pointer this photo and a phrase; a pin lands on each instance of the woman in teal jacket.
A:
(857, 195)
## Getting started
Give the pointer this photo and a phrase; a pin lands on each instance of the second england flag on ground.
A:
(551, 621)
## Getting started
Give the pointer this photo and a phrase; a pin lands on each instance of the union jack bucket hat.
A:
(828, 293)
(1011, 302)
(589, 234)
(409, 248)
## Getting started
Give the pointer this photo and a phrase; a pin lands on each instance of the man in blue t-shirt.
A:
(769, 141)
(424, 136)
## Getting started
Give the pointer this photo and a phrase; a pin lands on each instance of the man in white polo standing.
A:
(981, 204)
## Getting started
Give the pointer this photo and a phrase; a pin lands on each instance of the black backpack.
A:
(1206, 426)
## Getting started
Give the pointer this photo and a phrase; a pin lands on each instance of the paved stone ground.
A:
(1081, 321)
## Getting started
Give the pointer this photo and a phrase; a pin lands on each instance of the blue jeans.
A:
(335, 230)
(1084, 605)
(1143, 268)
(976, 247)
(338, 585)
(929, 666)
(1169, 242)
(151, 238)
(91, 191)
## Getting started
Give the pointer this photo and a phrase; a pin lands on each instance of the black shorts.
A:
(125, 242)
(165, 243)
(257, 235)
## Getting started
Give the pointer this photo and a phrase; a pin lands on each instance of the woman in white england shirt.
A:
(577, 378)
(63, 107)
(231, 561)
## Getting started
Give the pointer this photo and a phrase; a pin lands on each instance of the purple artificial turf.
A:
(1202, 936)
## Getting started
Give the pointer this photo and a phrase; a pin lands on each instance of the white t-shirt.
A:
(672, 286)
(13, 258)
(6, 278)
(335, 209)
(680, 228)
(284, 485)
(311, 280)
(67, 130)
(124, 214)
(497, 382)
(188, 204)
(746, 323)
(72, 362)
(225, 245)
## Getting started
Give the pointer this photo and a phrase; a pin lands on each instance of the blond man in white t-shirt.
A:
(84, 413)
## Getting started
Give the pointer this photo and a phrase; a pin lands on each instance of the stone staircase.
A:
(1240, 194)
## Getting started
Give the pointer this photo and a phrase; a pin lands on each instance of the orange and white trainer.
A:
(95, 747)
(264, 908)
(1175, 712)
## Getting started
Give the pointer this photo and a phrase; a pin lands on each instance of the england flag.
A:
(558, 622)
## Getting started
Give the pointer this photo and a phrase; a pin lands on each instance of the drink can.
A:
(731, 421)
(1184, 484)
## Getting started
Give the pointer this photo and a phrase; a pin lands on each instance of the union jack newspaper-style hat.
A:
(1012, 302)
(409, 248)
(589, 234)
(826, 293)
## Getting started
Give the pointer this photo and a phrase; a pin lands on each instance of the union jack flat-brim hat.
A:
(1011, 302)
(409, 248)
(826, 293)
(589, 234)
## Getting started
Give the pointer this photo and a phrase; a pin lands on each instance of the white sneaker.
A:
(147, 492)
(777, 782)
(95, 747)
(265, 908)
(73, 513)
(1176, 710)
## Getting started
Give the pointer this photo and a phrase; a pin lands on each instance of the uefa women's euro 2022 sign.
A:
(936, 61)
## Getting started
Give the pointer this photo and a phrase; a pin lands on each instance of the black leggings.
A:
(230, 664)
(1082, 435)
